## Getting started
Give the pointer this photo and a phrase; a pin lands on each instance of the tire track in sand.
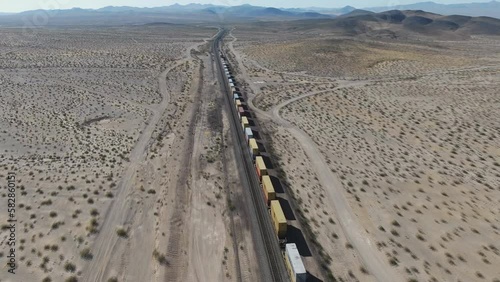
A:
(119, 210)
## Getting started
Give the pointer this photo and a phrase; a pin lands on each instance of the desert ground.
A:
(389, 148)
(118, 145)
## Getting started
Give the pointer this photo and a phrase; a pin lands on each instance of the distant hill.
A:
(324, 11)
(488, 9)
(400, 24)
(357, 12)
(256, 12)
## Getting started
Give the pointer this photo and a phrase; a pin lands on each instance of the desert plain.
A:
(390, 147)
(385, 144)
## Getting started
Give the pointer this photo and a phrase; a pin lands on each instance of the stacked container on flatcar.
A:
(244, 123)
(249, 134)
(279, 220)
(260, 166)
(254, 148)
(294, 263)
(268, 188)
(241, 112)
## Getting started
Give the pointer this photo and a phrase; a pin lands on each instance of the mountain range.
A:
(400, 24)
(203, 13)
(490, 9)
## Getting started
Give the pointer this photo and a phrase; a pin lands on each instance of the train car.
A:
(244, 123)
(249, 134)
(254, 148)
(241, 113)
(294, 264)
(279, 220)
(268, 188)
(260, 166)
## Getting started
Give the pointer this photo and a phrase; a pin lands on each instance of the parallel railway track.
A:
(271, 261)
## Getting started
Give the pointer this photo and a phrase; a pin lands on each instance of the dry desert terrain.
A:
(390, 148)
(117, 142)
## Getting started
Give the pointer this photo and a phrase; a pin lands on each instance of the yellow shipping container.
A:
(268, 188)
(254, 148)
(279, 220)
(244, 123)
(260, 166)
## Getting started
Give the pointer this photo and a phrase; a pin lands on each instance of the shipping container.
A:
(294, 264)
(279, 220)
(241, 113)
(260, 167)
(249, 134)
(254, 148)
(268, 188)
(244, 123)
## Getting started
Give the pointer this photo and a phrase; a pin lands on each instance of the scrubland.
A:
(410, 130)
(98, 124)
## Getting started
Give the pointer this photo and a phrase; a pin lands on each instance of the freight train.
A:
(292, 257)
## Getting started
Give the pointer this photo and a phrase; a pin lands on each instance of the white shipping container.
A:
(294, 263)
(248, 133)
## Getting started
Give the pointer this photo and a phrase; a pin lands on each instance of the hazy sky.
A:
(23, 5)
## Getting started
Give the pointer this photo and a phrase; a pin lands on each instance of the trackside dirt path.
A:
(374, 260)
(119, 209)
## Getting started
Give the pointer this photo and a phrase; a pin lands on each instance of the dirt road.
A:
(119, 212)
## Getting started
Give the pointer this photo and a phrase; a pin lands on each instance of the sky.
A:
(24, 5)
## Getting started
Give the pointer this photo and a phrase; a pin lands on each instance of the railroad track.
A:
(272, 267)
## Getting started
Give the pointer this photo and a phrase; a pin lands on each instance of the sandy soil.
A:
(120, 176)
(404, 133)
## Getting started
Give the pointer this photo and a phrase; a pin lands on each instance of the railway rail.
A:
(270, 258)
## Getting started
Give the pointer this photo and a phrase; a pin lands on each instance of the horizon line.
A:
(222, 5)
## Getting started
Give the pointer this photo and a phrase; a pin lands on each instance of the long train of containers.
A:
(293, 260)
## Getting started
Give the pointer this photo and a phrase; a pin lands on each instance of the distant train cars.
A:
(293, 260)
